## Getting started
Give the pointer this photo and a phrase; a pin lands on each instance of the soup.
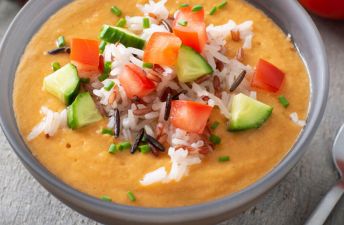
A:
(91, 160)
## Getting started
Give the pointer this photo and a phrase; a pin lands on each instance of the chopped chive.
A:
(60, 42)
(103, 77)
(123, 145)
(215, 139)
(144, 148)
(146, 23)
(106, 198)
(283, 101)
(223, 158)
(85, 80)
(112, 149)
(115, 10)
(214, 125)
(55, 66)
(109, 86)
(121, 22)
(213, 10)
(222, 4)
(131, 196)
(184, 5)
(197, 8)
(147, 65)
(183, 22)
(107, 131)
(102, 46)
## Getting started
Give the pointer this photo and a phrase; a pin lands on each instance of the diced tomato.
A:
(190, 116)
(194, 34)
(85, 56)
(134, 81)
(267, 77)
(101, 64)
(162, 48)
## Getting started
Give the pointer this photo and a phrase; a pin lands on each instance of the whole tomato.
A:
(333, 9)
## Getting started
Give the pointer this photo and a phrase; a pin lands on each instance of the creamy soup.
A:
(80, 157)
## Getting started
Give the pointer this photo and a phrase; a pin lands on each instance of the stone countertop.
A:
(24, 201)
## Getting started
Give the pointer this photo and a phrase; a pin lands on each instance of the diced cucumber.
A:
(63, 83)
(247, 113)
(191, 65)
(116, 34)
(82, 111)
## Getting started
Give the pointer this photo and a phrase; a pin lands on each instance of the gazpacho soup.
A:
(160, 103)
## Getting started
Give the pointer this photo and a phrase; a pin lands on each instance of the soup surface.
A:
(80, 157)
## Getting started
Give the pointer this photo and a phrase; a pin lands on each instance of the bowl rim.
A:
(185, 213)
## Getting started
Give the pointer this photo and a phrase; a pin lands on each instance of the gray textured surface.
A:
(24, 201)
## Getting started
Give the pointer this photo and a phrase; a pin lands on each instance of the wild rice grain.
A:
(151, 140)
(168, 106)
(176, 96)
(240, 55)
(167, 25)
(137, 141)
(238, 81)
(117, 127)
(235, 35)
(217, 86)
(59, 50)
(202, 79)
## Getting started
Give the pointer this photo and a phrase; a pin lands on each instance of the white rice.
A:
(295, 119)
(51, 122)
(156, 8)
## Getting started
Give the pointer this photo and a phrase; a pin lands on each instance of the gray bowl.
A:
(287, 14)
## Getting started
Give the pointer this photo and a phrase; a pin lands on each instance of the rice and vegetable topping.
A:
(156, 78)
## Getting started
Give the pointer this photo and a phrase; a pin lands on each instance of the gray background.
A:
(24, 201)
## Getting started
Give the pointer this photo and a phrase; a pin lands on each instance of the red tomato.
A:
(85, 56)
(333, 9)
(190, 116)
(162, 48)
(194, 34)
(267, 76)
(134, 81)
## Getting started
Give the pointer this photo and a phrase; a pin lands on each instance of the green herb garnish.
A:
(215, 139)
(184, 5)
(106, 198)
(147, 65)
(222, 4)
(107, 70)
(55, 66)
(146, 23)
(112, 149)
(214, 125)
(197, 8)
(144, 148)
(183, 22)
(115, 10)
(121, 22)
(283, 101)
(213, 10)
(107, 131)
(223, 158)
(123, 145)
(108, 86)
(131, 196)
(60, 42)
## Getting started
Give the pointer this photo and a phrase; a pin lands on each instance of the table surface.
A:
(24, 201)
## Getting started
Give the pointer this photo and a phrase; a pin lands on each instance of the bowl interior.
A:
(287, 14)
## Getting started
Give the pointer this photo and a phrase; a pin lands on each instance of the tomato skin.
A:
(267, 77)
(85, 56)
(162, 48)
(190, 116)
(134, 81)
(333, 9)
(194, 34)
